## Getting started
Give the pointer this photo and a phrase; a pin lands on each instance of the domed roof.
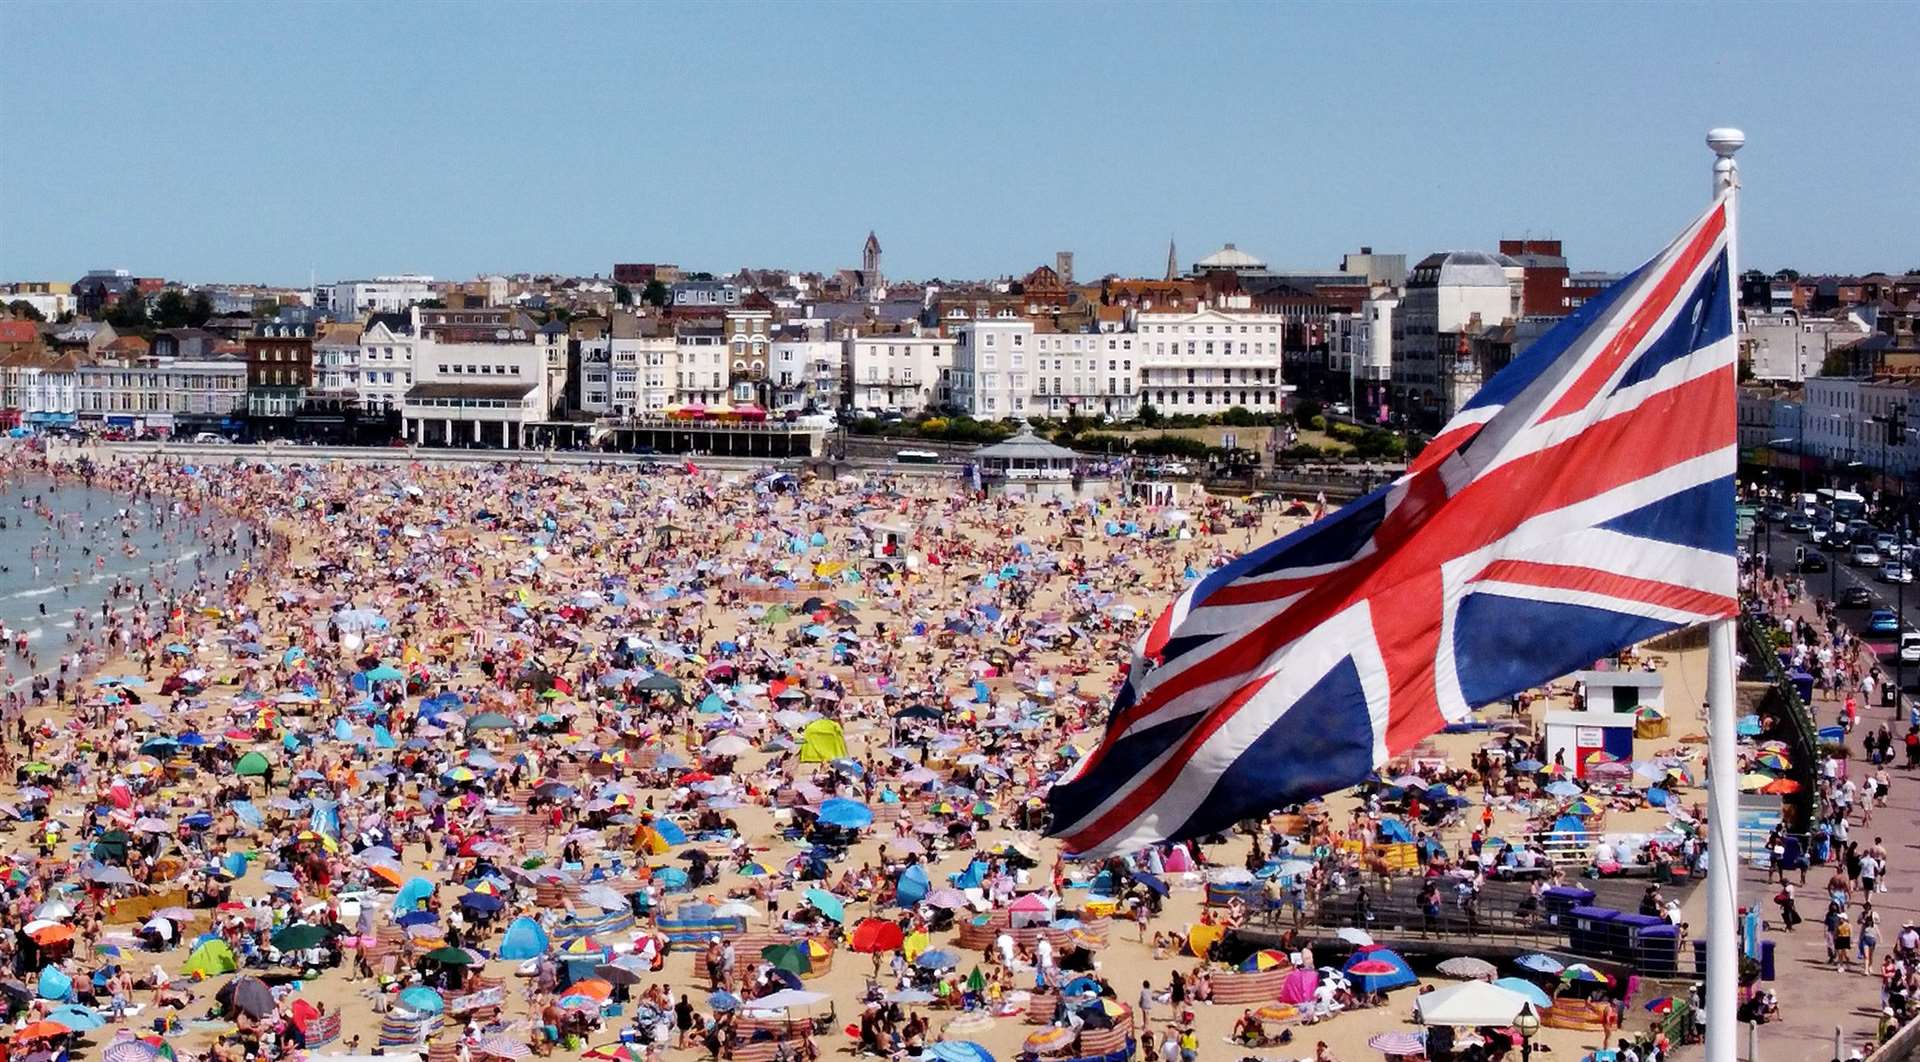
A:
(1229, 257)
(1461, 269)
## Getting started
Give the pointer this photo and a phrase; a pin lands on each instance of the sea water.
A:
(64, 546)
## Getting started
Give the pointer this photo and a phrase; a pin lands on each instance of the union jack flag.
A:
(1581, 502)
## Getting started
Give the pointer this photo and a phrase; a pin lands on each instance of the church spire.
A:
(1173, 261)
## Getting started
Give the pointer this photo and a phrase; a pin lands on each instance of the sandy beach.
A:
(539, 686)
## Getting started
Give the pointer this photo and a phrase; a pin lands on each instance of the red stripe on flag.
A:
(1595, 580)
(1627, 340)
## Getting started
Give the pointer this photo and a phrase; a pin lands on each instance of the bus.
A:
(917, 457)
(1844, 504)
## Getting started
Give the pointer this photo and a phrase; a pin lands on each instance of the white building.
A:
(336, 362)
(385, 369)
(804, 369)
(700, 374)
(1086, 373)
(1360, 345)
(1791, 346)
(1210, 361)
(1450, 296)
(158, 394)
(642, 367)
(479, 392)
(44, 388)
(900, 372)
(993, 368)
(1873, 422)
(350, 300)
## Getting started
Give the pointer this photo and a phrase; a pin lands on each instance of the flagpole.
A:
(1723, 791)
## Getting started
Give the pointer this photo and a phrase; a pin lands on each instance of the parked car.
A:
(211, 437)
(1882, 621)
(1865, 556)
(1895, 572)
(1910, 647)
(1856, 596)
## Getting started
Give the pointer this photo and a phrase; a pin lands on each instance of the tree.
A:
(1837, 363)
(23, 308)
(201, 311)
(433, 304)
(171, 310)
(1148, 416)
(1239, 417)
(129, 312)
(655, 294)
(623, 294)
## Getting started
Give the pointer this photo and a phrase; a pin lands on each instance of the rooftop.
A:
(1026, 446)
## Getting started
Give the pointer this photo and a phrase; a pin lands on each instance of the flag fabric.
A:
(1581, 502)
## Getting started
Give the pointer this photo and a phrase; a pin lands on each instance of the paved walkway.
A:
(1815, 997)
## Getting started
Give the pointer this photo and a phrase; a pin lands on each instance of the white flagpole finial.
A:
(1725, 141)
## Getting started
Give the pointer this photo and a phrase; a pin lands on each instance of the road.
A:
(1778, 544)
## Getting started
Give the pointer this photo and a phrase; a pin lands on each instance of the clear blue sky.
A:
(253, 142)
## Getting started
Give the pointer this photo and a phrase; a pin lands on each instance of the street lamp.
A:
(1527, 1024)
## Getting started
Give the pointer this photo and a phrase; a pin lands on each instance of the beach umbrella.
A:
(41, 1030)
(1052, 1039)
(1581, 973)
(828, 904)
(502, 1046)
(423, 1000)
(907, 997)
(846, 814)
(299, 937)
(450, 956)
(78, 1018)
(1398, 1043)
(129, 1051)
(938, 959)
(615, 1053)
(1534, 993)
(790, 957)
(489, 721)
(1539, 963)
(247, 995)
(1359, 938)
(481, 903)
(1266, 959)
(1468, 968)
(723, 1001)
(959, 1051)
(1660, 1005)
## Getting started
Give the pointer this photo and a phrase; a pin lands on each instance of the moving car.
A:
(1799, 524)
(1895, 572)
(1813, 562)
(1910, 647)
(1866, 556)
(1855, 596)
(1882, 621)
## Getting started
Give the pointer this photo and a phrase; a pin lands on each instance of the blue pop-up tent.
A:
(1401, 976)
(524, 940)
(913, 886)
